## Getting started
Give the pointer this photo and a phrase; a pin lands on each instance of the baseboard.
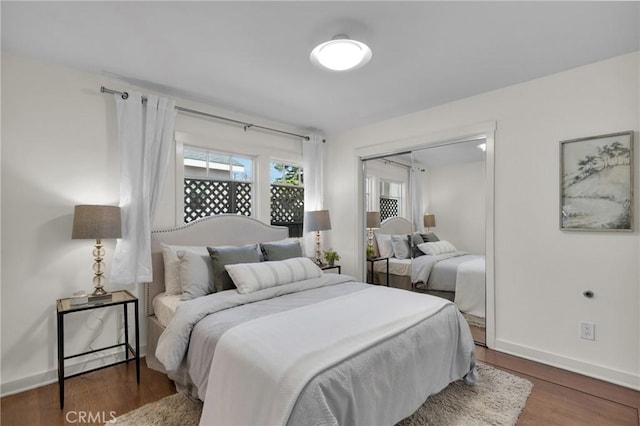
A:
(596, 371)
(51, 376)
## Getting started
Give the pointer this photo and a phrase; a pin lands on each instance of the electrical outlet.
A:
(588, 330)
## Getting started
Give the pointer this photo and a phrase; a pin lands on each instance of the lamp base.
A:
(99, 291)
(318, 251)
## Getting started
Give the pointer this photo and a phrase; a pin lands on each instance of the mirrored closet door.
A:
(449, 215)
(425, 224)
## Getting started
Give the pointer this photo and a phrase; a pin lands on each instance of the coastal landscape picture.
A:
(596, 188)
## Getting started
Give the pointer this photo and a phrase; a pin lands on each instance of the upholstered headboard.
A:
(396, 225)
(393, 225)
(220, 230)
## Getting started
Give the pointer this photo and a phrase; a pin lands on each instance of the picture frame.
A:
(596, 183)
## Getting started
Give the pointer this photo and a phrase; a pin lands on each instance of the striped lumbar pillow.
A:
(250, 277)
(436, 248)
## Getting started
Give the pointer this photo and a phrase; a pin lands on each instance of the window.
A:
(390, 199)
(287, 197)
(216, 183)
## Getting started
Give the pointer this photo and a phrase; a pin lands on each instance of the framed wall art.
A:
(596, 183)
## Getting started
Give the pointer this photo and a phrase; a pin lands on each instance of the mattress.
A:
(164, 306)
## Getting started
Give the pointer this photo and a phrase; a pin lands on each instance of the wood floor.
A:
(558, 397)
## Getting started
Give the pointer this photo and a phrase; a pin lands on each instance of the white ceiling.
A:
(253, 57)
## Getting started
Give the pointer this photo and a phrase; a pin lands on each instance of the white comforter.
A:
(279, 354)
(380, 384)
(470, 287)
(421, 266)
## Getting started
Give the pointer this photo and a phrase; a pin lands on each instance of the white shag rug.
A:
(474, 320)
(497, 399)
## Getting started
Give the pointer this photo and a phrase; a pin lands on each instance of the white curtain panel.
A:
(417, 207)
(313, 166)
(146, 137)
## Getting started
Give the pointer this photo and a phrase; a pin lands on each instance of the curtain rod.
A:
(386, 160)
(246, 125)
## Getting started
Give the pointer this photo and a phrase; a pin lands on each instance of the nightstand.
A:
(373, 260)
(119, 298)
(338, 267)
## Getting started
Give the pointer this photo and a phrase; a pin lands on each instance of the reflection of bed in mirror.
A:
(444, 271)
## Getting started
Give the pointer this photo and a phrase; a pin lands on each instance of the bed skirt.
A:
(154, 330)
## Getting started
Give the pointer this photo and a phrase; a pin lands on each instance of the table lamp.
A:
(97, 222)
(373, 222)
(317, 221)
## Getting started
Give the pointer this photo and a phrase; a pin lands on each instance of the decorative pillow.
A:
(430, 237)
(194, 275)
(385, 249)
(281, 250)
(400, 245)
(435, 248)
(171, 271)
(172, 282)
(250, 277)
(229, 255)
(415, 239)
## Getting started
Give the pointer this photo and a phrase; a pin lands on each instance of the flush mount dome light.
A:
(341, 54)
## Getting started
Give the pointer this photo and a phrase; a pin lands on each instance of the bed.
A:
(323, 349)
(456, 276)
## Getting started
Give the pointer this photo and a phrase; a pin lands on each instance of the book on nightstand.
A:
(101, 298)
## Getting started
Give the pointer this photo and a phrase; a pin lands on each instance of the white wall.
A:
(540, 271)
(455, 194)
(60, 148)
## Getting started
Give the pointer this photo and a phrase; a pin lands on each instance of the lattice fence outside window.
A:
(204, 198)
(389, 207)
(287, 208)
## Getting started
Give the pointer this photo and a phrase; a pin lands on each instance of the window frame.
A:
(181, 176)
(401, 198)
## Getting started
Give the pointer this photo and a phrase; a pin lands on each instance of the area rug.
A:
(497, 399)
(474, 320)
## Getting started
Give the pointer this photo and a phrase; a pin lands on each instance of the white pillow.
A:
(400, 244)
(171, 271)
(194, 275)
(250, 277)
(172, 282)
(436, 248)
(385, 248)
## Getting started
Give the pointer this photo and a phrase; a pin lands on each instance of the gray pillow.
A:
(281, 250)
(415, 239)
(230, 255)
(400, 244)
(430, 237)
(194, 275)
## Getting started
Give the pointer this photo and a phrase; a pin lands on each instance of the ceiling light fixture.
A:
(341, 54)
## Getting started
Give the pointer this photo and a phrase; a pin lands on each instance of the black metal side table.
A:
(373, 260)
(338, 267)
(120, 297)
